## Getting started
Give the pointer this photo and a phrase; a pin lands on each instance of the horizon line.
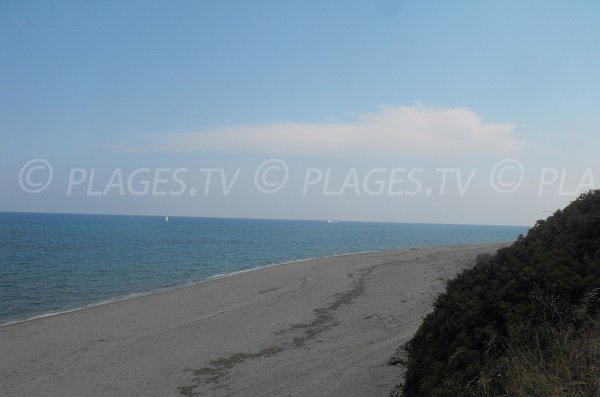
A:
(259, 219)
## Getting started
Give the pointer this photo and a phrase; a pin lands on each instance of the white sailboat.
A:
(167, 218)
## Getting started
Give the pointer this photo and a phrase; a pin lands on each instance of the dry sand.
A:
(321, 327)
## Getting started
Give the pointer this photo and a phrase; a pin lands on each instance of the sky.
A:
(473, 112)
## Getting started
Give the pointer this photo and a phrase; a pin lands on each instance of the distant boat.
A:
(167, 218)
(331, 221)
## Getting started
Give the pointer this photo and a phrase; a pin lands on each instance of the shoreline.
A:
(193, 283)
(140, 294)
(323, 326)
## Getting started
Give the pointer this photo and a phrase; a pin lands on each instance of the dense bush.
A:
(544, 283)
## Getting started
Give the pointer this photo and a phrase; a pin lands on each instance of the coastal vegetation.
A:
(523, 322)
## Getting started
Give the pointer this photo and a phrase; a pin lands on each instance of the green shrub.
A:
(545, 281)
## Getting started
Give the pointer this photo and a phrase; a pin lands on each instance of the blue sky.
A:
(131, 84)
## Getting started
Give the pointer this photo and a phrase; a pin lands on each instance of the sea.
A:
(53, 263)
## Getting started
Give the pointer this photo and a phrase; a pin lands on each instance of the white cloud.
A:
(390, 130)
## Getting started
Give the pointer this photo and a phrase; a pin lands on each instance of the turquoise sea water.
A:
(57, 262)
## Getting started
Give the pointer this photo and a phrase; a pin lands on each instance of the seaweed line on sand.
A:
(324, 320)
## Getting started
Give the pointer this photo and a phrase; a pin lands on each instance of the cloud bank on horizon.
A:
(388, 131)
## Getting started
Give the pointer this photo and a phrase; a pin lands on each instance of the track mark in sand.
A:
(324, 320)
(264, 291)
(301, 286)
(304, 282)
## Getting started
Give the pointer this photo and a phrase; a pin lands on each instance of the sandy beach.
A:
(322, 327)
